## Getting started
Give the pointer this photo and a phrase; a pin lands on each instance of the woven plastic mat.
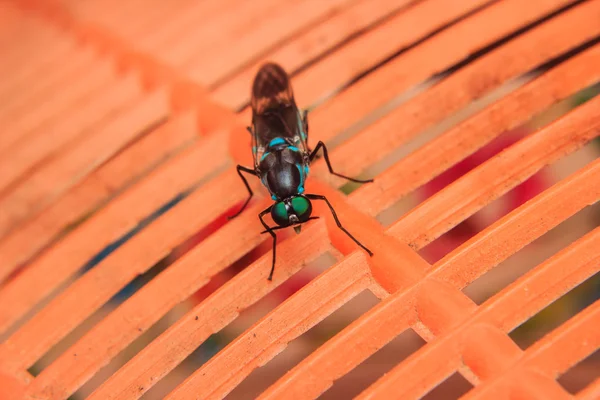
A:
(122, 123)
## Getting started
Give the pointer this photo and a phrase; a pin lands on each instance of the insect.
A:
(281, 155)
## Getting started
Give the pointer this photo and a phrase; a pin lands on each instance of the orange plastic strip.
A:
(498, 175)
(291, 319)
(47, 272)
(49, 44)
(97, 188)
(406, 28)
(411, 68)
(228, 53)
(149, 304)
(199, 40)
(461, 88)
(210, 316)
(313, 43)
(135, 257)
(591, 392)
(18, 126)
(505, 237)
(459, 142)
(55, 77)
(576, 339)
(59, 135)
(45, 185)
(506, 310)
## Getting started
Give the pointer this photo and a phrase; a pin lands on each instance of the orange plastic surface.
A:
(111, 109)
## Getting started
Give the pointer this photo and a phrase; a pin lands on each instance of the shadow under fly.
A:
(281, 155)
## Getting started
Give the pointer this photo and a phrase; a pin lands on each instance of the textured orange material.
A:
(146, 306)
(538, 367)
(97, 188)
(435, 156)
(20, 123)
(396, 313)
(312, 43)
(45, 184)
(106, 279)
(216, 312)
(58, 74)
(540, 149)
(61, 261)
(143, 113)
(474, 81)
(39, 145)
(217, 378)
(505, 310)
(276, 26)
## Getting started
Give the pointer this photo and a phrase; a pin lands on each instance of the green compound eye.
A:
(302, 207)
(279, 214)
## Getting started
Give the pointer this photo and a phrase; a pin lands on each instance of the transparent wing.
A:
(286, 123)
(274, 112)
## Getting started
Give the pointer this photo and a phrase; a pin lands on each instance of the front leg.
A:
(273, 235)
(305, 122)
(326, 155)
(337, 221)
(241, 169)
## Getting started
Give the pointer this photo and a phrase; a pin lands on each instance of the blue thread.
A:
(276, 141)
(306, 169)
(273, 197)
(254, 149)
(293, 148)
(264, 155)
(301, 185)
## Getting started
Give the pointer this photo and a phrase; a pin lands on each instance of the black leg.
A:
(273, 235)
(337, 221)
(305, 120)
(326, 155)
(249, 129)
(241, 169)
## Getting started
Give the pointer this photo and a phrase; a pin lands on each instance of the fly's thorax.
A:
(283, 171)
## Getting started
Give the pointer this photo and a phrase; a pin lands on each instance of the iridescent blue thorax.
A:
(283, 168)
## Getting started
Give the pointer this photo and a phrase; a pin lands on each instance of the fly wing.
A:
(274, 111)
(271, 89)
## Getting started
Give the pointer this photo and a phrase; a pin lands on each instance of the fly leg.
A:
(305, 122)
(273, 235)
(337, 221)
(326, 155)
(241, 169)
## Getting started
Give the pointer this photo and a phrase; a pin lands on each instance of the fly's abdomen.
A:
(271, 89)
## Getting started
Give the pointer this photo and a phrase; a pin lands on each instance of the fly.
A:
(281, 155)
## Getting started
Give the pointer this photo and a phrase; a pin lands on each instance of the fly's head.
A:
(292, 211)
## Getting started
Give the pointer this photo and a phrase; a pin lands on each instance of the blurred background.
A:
(404, 345)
